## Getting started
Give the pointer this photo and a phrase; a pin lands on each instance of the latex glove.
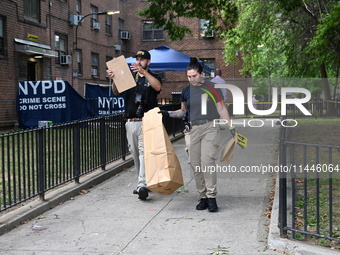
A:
(187, 126)
(232, 130)
(164, 113)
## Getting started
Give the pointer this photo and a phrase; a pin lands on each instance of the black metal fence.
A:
(309, 190)
(318, 108)
(35, 161)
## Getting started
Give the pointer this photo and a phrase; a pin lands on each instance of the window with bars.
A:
(152, 33)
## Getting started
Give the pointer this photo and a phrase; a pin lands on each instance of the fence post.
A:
(102, 142)
(41, 162)
(123, 136)
(282, 185)
(76, 151)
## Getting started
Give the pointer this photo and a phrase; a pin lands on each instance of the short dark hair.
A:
(195, 65)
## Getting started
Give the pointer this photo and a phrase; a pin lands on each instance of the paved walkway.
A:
(108, 219)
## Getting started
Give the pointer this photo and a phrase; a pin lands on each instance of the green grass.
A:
(19, 159)
(323, 132)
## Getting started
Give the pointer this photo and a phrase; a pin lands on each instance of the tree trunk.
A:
(325, 83)
(326, 90)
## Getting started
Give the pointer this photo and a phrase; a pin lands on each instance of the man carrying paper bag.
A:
(162, 169)
(140, 98)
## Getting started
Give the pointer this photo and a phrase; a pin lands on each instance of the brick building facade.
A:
(44, 40)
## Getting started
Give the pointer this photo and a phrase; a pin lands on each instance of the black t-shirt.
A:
(148, 96)
(185, 97)
(192, 96)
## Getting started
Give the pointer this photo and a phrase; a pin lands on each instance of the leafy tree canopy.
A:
(281, 38)
(167, 13)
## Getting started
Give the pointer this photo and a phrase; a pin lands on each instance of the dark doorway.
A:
(31, 73)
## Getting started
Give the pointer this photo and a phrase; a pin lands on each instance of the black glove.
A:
(164, 113)
(232, 131)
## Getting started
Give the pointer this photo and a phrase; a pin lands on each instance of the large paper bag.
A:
(228, 152)
(162, 169)
(123, 78)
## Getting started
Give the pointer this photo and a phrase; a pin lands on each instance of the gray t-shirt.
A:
(192, 96)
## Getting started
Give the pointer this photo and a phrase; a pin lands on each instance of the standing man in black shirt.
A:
(139, 99)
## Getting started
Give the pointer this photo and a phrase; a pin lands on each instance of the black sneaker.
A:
(203, 204)
(212, 206)
(143, 193)
(135, 192)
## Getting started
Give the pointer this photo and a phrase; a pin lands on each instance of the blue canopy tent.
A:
(165, 59)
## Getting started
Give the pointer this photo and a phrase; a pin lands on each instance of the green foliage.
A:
(220, 250)
(327, 39)
(166, 13)
(256, 36)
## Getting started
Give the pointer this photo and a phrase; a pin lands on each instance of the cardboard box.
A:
(123, 77)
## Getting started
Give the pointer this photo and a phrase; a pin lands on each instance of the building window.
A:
(108, 25)
(211, 63)
(2, 36)
(205, 31)
(121, 27)
(60, 44)
(80, 62)
(78, 7)
(150, 33)
(121, 24)
(94, 17)
(94, 64)
(108, 58)
(32, 10)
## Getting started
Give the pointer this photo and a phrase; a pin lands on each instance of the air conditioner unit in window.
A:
(74, 19)
(96, 25)
(94, 72)
(65, 60)
(125, 35)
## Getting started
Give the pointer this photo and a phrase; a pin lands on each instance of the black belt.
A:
(133, 119)
(199, 122)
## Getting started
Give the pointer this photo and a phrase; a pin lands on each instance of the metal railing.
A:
(309, 190)
(37, 160)
(318, 108)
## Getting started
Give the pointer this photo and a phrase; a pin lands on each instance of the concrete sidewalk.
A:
(109, 219)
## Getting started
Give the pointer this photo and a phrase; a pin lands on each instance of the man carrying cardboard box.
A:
(139, 99)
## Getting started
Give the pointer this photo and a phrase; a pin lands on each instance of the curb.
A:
(35, 208)
(11, 220)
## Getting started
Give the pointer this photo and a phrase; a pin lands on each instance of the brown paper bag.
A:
(162, 169)
(123, 78)
(228, 152)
